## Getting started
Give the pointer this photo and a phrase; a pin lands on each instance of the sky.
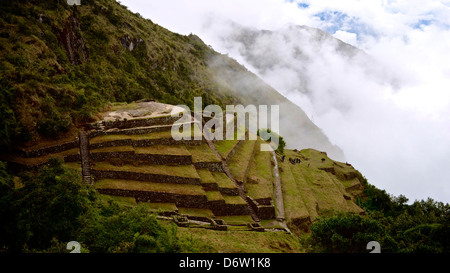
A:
(395, 126)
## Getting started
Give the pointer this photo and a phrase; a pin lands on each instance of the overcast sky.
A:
(398, 135)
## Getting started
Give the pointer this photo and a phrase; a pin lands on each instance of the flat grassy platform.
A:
(180, 171)
(234, 200)
(223, 181)
(241, 159)
(118, 184)
(214, 196)
(202, 153)
(260, 179)
(196, 212)
(120, 200)
(33, 161)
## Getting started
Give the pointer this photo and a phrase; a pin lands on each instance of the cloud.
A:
(391, 116)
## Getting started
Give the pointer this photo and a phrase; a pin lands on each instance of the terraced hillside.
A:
(131, 156)
(314, 185)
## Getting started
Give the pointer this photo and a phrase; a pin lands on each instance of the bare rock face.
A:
(71, 39)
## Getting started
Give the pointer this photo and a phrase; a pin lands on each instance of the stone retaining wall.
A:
(211, 166)
(157, 159)
(181, 200)
(146, 177)
(229, 191)
(48, 150)
(144, 143)
(132, 123)
(266, 212)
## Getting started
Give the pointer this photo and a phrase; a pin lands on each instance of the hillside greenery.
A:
(48, 85)
(421, 227)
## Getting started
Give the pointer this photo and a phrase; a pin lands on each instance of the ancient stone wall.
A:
(157, 159)
(132, 123)
(159, 178)
(266, 212)
(48, 150)
(211, 166)
(181, 200)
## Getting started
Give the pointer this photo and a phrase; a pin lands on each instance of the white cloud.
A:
(396, 127)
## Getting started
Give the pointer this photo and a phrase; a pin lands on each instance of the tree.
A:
(345, 234)
(49, 206)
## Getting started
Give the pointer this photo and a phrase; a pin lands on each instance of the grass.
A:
(149, 186)
(196, 212)
(113, 149)
(305, 188)
(224, 147)
(32, 161)
(163, 150)
(214, 196)
(74, 166)
(237, 219)
(206, 177)
(234, 200)
(244, 241)
(260, 176)
(240, 160)
(181, 170)
(202, 153)
(120, 200)
(161, 206)
(149, 136)
(223, 181)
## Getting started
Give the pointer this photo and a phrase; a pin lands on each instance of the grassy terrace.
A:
(181, 170)
(120, 200)
(39, 160)
(74, 166)
(224, 147)
(237, 220)
(260, 176)
(223, 181)
(118, 184)
(113, 149)
(304, 187)
(214, 196)
(153, 135)
(240, 160)
(163, 149)
(234, 200)
(294, 204)
(196, 212)
(202, 153)
(206, 177)
(161, 206)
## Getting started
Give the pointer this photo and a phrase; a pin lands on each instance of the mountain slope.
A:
(60, 65)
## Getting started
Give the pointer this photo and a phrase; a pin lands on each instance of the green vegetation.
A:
(202, 153)
(138, 167)
(260, 176)
(149, 186)
(50, 84)
(244, 241)
(422, 227)
(241, 159)
(223, 180)
(268, 135)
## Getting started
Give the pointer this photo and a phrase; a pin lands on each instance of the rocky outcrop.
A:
(71, 39)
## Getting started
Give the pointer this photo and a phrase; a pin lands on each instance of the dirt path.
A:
(279, 194)
(84, 152)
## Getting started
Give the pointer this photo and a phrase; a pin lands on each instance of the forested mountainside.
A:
(62, 64)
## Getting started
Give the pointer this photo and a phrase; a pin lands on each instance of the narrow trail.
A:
(279, 194)
(239, 187)
(84, 152)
